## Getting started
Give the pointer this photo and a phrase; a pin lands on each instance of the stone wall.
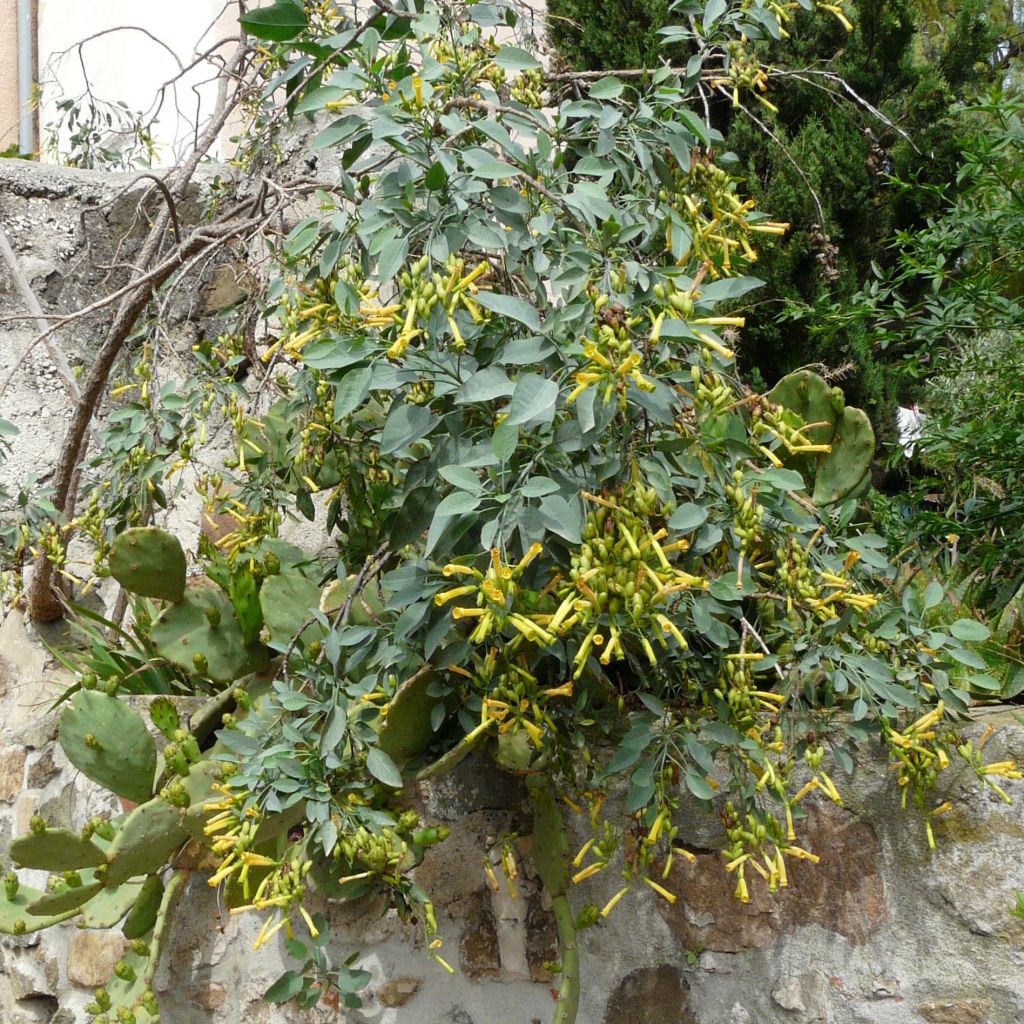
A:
(881, 932)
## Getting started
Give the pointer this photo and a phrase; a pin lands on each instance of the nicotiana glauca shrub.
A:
(499, 370)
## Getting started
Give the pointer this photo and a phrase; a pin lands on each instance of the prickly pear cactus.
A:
(107, 741)
(55, 849)
(807, 394)
(64, 898)
(842, 470)
(407, 729)
(149, 562)
(108, 906)
(366, 610)
(288, 602)
(15, 900)
(201, 635)
(142, 915)
(145, 841)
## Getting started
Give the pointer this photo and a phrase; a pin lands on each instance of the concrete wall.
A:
(126, 65)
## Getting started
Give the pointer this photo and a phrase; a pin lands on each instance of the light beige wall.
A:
(139, 51)
(8, 73)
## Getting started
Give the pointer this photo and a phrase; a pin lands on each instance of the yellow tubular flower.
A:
(450, 595)
(610, 905)
(578, 859)
(741, 888)
(588, 872)
(267, 933)
(669, 627)
(313, 930)
(535, 734)
(661, 890)
(796, 851)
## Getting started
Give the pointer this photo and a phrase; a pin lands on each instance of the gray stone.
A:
(805, 995)
(43, 769)
(884, 987)
(12, 772)
(398, 991)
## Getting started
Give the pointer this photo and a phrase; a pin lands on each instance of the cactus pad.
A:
(164, 715)
(550, 843)
(56, 849)
(406, 730)
(62, 900)
(129, 992)
(145, 841)
(201, 635)
(514, 751)
(843, 469)
(107, 741)
(367, 609)
(806, 394)
(843, 472)
(142, 915)
(288, 602)
(326, 873)
(106, 908)
(149, 562)
(15, 918)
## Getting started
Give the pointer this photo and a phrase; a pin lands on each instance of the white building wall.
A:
(129, 50)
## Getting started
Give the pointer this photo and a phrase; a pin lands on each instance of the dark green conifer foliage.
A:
(914, 62)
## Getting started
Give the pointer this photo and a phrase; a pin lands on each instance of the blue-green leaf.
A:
(515, 59)
(970, 630)
(510, 306)
(533, 399)
(406, 424)
(381, 767)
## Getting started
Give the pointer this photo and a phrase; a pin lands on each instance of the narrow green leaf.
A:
(505, 440)
(698, 785)
(515, 59)
(609, 88)
(511, 307)
(687, 517)
(457, 503)
(286, 987)
(352, 391)
(436, 178)
(406, 424)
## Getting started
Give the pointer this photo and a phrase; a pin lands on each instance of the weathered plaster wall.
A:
(8, 73)
(881, 932)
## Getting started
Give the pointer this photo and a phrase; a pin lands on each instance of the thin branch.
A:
(831, 76)
(789, 156)
(28, 296)
(169, 199)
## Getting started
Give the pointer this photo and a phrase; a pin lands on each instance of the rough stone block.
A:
(92, 956)
(12, 772)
